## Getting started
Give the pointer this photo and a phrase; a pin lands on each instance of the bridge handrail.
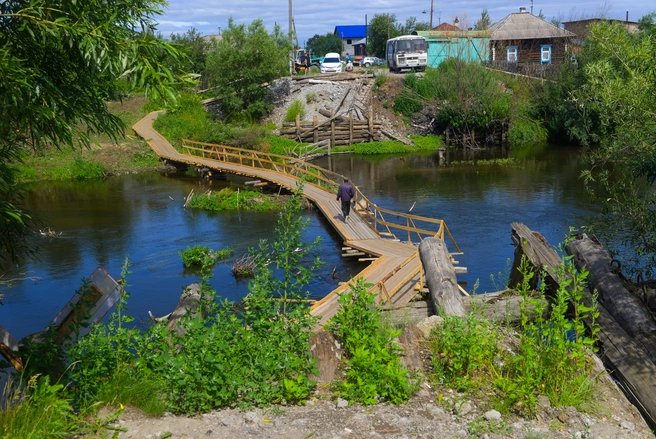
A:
(322, 178)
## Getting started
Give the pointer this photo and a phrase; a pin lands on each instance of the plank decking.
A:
(396, 271)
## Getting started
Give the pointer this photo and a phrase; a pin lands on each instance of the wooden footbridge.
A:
(395, 272)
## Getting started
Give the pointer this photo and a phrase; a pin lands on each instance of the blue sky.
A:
(320, 17)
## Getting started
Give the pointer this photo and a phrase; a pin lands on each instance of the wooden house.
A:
(524, 43)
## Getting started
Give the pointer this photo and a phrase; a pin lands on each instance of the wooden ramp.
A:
(395, 271)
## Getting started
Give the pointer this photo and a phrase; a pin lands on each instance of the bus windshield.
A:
(417, 45)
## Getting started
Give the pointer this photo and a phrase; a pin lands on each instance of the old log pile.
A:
(337, 130)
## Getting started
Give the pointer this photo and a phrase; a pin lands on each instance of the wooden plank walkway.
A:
(396, 274)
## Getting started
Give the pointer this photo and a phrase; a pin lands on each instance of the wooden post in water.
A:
(350, 128)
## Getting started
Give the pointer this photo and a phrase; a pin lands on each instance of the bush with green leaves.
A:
(373, 363)
(257, 353)
(465, 350)
(296, 108)
(203, 256)
(246, 57)
(471, 99)
(552, 356)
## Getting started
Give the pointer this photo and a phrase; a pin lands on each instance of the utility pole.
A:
(291, 38)
(431, 16)
(291, 31)
(388, 29)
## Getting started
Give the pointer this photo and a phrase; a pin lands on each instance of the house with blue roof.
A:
(351, 35)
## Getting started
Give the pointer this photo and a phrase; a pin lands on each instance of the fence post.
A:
(298, 127)
(350, 128)
(371, 124)
(332, 132)
(316, 130)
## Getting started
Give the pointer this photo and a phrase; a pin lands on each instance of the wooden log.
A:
(189, 302)
(328, 353)
(395, 137)
(537, 250)
(440, 277)
(627, 309)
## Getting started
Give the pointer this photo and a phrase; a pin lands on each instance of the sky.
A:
(312, 17)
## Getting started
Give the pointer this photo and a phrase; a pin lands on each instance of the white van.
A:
(331, 63)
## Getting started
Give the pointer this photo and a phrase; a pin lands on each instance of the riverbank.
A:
(104, 158)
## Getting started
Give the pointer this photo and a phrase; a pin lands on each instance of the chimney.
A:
(522, 10)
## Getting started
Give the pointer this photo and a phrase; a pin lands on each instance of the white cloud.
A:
(320, 17)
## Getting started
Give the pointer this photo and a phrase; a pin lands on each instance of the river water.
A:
(142, 216)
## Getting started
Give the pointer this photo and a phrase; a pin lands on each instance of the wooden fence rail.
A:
(383, 221)
(338, 131)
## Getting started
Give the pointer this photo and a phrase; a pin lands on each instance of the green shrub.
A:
(408, 103)
(373, 363)
(82, 169)
(380, 80)
(228, 199)
(526, 132)
(198, 255)
(296, 108)
(552, 357)
(464, 351)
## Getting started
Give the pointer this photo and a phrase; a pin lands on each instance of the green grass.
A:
(228, 199)
(509, 161)
(40, 411)
(133, 390)
(104, 157)
(392, 146)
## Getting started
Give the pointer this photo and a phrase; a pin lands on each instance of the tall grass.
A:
(39, 411)
(296, 108)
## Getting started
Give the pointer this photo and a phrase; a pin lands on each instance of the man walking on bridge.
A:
(346, 192)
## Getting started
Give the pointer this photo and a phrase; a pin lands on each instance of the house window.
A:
(348, 41)
(511, 54)
(545, 54)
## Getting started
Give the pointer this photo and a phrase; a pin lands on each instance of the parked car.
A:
(332, 62)
(369, 61)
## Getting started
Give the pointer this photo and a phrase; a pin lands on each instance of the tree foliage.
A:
(60, 61)
(484, 22)
(322, 44)
(618, 85)
(242, 62)
(196, 48)
(385, 26)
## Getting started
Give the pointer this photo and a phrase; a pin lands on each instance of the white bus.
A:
(406, 52)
